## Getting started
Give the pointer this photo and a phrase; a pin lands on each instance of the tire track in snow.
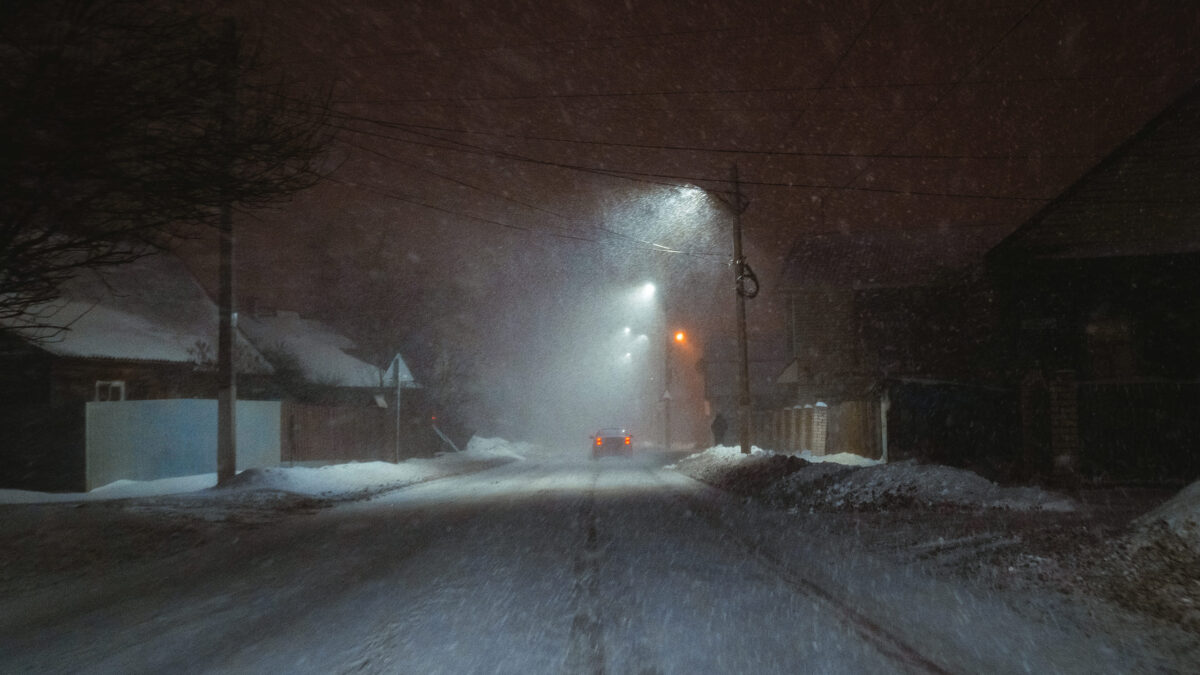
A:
(884, 641)
(585, 646)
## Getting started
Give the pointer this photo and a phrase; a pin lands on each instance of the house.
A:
(1101, 293)
(315, 360)
(719, 368)
(339, 407)
(891, 351)
(141, 331)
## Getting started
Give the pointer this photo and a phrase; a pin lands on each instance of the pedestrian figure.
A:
(718, 429)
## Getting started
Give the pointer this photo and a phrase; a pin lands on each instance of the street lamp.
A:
(646, 293)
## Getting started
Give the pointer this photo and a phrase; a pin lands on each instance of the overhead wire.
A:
(682, 180)
(679, 180)
(971, 68)
(932, 84)
(557, 231)
(837, 64)
(714, 150)
(753, 32)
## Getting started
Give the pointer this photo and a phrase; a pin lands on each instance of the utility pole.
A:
(741, 272)
(666, 380)
(226, 375)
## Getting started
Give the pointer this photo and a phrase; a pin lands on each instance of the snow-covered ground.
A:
(515, 558)
(1091, 552)
(326, 481)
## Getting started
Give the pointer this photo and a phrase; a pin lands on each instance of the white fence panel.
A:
(147, 440)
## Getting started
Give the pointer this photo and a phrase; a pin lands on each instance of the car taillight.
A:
(629, 440)
(599, 441)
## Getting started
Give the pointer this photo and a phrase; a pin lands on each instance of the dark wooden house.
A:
(892, 349)
(1102, 298)
(142, 331)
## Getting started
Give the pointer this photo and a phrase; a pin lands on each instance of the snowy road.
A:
(539, 566)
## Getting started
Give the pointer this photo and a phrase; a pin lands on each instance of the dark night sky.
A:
(518, 154)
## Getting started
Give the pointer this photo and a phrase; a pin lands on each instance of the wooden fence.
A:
(320, 433)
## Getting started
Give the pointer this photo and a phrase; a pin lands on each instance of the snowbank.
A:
(719, 455)
(1179, 516)
(322, 481)
(851, 482)
(845, 458)
(732, 454)
(908, 483)
(122, 489)
(335, 478)
(498, 447)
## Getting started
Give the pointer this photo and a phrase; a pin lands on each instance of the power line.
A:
(714, 150)
(557, 231)
(582, 96)
(642, 176)
(468, 148)
(602, 228)
(754, 33)
(837, 64)
(972, 67)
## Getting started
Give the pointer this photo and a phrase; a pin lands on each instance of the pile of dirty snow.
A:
(854, 483)
(726, 468)
(1155, 568)
(1179, 516)
(908, 484)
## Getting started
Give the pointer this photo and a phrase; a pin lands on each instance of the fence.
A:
(324, 434)
(1140, 431)
(147, 440)
(327, 434)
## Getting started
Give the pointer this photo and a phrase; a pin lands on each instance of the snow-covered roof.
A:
(149, 310)
(1140, 200)
(321, 352)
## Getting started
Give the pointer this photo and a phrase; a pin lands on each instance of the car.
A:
(612, 441)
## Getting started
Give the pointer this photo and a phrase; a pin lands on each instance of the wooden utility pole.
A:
(226, 375)
(739, 269)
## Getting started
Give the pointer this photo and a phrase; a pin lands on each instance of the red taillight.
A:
(599, 441)
(629, 440)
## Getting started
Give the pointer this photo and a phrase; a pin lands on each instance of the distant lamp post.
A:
(645, 294)
(679, 337)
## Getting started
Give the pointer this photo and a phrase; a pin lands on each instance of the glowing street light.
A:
(680, 337)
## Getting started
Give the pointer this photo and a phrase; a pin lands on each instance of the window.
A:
(110, 390)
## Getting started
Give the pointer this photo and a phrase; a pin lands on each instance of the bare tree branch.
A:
(111, 144)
